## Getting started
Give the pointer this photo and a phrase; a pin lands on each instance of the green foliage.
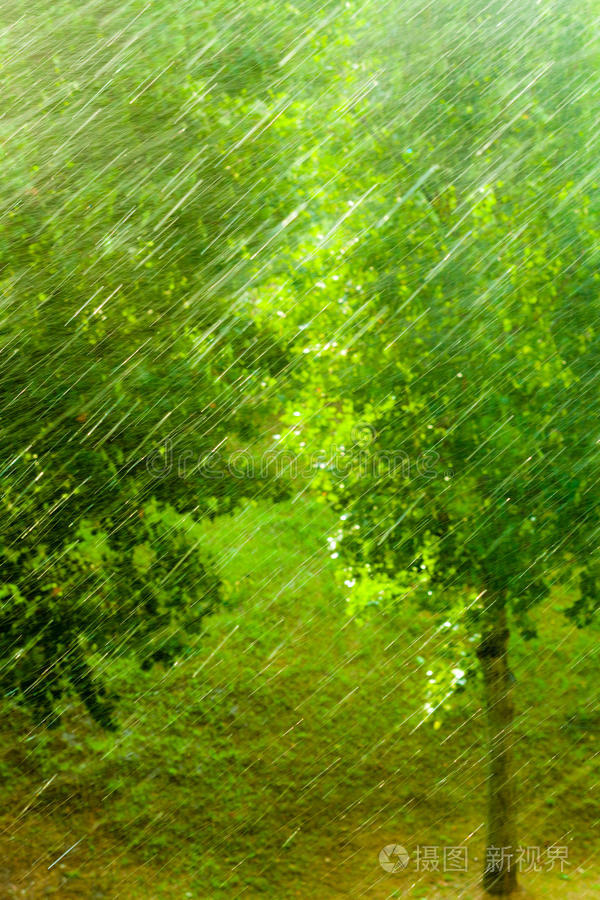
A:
(123, 332)
(210, 213)
(451, 307)
(139, 583)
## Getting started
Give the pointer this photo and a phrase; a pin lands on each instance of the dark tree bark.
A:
(500, 874)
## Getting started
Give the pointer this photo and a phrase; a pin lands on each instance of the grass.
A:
(284, 753)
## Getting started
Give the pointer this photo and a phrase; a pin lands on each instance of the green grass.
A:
(283, 754)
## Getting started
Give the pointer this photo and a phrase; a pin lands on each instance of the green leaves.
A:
(454, 312)
(142, 584)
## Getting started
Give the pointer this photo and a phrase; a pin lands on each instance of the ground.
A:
(291, 747)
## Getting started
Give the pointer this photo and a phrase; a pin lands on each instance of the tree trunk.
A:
(500, 873)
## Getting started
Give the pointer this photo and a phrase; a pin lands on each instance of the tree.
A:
(470, 363)
(129, 210)
(451, 316)
(478, 488)
(144, 181)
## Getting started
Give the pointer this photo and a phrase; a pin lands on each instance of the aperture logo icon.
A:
(393, 858)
